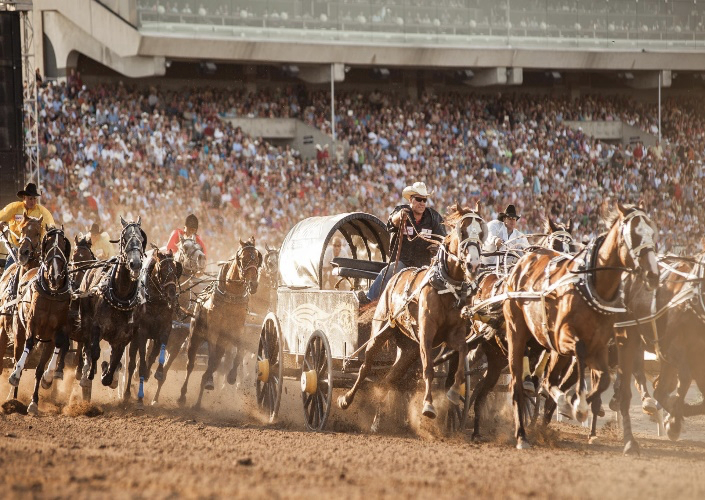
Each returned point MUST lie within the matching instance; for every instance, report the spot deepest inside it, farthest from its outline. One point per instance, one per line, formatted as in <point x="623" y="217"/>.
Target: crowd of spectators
<point x="108" y="150"/>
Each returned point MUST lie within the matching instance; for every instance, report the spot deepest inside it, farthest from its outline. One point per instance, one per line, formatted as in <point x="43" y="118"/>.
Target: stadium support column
<point x="332" y="100"/>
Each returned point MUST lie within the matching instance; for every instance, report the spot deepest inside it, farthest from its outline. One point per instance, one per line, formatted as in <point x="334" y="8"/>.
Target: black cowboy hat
<point x="511" y="211"/>
<point x="29" y="190"/>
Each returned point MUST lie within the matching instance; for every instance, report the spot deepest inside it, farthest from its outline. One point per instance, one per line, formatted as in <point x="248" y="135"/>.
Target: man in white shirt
<point x="503" y="235"/>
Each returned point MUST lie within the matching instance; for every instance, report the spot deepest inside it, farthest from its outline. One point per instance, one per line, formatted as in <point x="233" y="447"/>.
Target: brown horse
<point x="489" y="324"/>
<point x="219" y="317"/>
<point x="161" y="301"/>
<point x="192" y="260"/>
<point x="42" y="312"/>
<point x="82" y="258"/>
<point x="421" y="308"/>
<point x="568" y="306"/>
<point x="669" y="323"/>
<point x="110" y="296"/>
<point x="27" y="258"/>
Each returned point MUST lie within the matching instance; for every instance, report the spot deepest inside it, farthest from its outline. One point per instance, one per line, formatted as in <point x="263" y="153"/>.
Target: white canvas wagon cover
<point x="301" y="254"/>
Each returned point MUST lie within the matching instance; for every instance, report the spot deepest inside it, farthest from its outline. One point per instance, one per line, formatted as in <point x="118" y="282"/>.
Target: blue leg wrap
<point x="140" y="393"/>
<point x="162" y="354"/>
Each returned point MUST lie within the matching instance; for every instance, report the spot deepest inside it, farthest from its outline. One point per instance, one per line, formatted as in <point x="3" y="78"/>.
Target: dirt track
<point x="224" y="452"/>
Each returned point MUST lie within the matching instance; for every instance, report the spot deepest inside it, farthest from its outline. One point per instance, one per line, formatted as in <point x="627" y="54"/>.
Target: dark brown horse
<point x="424" y="304"/>
<point x="161" y="301"/>
<point x="670" y="323"/>
<point x="568" y="306"/>
<point x="489" y="324"/>
<point x="219" y="317"/>
<point x="27" y="258"/>
<point x="42" y="313"/>
<point x="82" y="259"/>
<point x="192" y="260"/>
<point x="109" y="305"/>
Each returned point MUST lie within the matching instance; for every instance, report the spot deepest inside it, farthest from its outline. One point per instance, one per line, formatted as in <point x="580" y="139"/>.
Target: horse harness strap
<point x="586" y="286"/>
<point x="441" y="281"/>
<point x="104" y="289"/>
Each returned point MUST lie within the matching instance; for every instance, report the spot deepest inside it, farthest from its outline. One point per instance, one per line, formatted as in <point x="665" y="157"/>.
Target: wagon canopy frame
<point x="303" y="249"/>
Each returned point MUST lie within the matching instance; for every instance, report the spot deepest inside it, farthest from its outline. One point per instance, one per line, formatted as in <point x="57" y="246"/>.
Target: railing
<point x="643" y="23"/>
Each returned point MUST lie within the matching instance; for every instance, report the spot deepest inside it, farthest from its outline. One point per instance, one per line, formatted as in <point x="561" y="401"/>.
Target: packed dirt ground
<point x="112" y="449"/>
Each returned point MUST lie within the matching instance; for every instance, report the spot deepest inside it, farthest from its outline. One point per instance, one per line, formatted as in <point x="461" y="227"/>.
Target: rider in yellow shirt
<point x="11" y="215"/>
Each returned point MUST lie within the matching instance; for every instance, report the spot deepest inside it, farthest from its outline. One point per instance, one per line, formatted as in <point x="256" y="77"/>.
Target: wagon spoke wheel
<point x="269" y="367"/>
<point x="457" y="415"/>
<point x="317" y="381"/>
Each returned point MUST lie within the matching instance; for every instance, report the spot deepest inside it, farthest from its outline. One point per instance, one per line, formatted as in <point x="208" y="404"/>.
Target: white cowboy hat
<point x="418" y="188"/>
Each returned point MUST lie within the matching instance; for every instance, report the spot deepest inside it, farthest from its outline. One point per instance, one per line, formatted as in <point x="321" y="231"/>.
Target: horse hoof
<point x="614" y="403"/>
<point x="649" y="406"/>
<point x="155" y="402"/>
<point x="523" y="444"/>
<point x="14" y="380"/>
<point x="59" y="374"/>
<point x="632" y="448"/>
<point x="592" y="440"/>
<point x="343" y="403"/>
<point x="159" y="374"/>
<point x="673" y="430"/>
<point x="46" y="384"/>
<point x="86" y="393"/>
<point x="453" y="396"/>
<point x="428" y="410"/>
<point x="104" y="366"/>
<point x="181" y="401"/>
<point x="114" y="383"/>
<point x="140" y="405"/>
<point x="84" y="382"/>
<point x="209" y="385"/>
<point x="33" y="409"/>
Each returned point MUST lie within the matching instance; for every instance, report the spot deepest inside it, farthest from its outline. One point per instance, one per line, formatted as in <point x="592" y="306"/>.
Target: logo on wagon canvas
<point x="309" y="318"/>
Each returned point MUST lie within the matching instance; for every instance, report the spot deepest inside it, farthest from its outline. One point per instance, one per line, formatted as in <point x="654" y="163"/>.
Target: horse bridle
<point x="57" y="254"/>
<point x="253" y="262"/>
<point x="474" y="239"/>
<point x="647" y="241"/>
<point x="32" y="247"/>
<point x="189" y="255"/>
<point x="171" y="278"/>
<point x="561" y="236"/>
<point x="128" y="246"/>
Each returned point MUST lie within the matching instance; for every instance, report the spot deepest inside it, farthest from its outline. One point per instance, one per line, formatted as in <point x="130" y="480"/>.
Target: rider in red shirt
<point x="189" y="230"/>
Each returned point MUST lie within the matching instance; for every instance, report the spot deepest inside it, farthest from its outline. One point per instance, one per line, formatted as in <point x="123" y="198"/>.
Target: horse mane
<point x="83" y="240"/>
<point x="456" y="212"/>
<point x="612" y="215"/>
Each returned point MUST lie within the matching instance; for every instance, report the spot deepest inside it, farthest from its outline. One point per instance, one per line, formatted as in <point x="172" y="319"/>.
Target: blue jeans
<point x="377" y="286"/>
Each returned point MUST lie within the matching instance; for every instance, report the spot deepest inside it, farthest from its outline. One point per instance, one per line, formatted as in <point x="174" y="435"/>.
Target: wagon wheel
<point x="317" y="381"/>
<point x="269" y="367"/>
<point x="457" y="415"/>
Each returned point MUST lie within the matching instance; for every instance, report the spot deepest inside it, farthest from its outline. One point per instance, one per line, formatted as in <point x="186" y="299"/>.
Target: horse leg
<point x="160" y="346"/>
<point x="60" y="342"/>
<point x="115" y="356"/>
<point x="33" y="408"/>
<point x="517" y="335"/>
<point x="675" y="420"/>
<point x="626" y="351"/>
<point x="457" y="338"/>
<point x="237" y="360"/>
<point x="648" y="404"/>
<point x="427" y="333"/>
<point x="580" y="405"/>
<point x="554" y="386"/>
<point x="373" y="346"/>
<point x="167" y="355"/>
<point x="215" y="353"/>
<point x="496" y="361"/>
<point x="194" y="342"/>
<point x="600" y="383"/>
<point x="19" y="366"/>
<point x="131" y="365"/>
<point x="408" y="353"/>
<point x="144" y="370"/>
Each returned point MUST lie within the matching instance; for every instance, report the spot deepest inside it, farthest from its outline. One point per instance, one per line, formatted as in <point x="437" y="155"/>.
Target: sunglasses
<point x="420" y="200"/>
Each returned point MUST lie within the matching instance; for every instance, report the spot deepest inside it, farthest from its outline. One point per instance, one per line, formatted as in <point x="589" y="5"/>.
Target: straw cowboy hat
<point x="29" y="190"/>
<point x="511" y="211"/>
<point x="417" y="188"/>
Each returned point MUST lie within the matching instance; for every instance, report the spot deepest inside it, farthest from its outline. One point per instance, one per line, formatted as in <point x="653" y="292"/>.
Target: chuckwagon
<point x="317" y="335"/>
